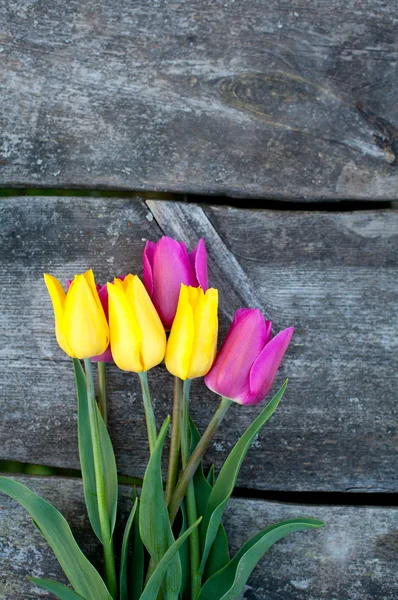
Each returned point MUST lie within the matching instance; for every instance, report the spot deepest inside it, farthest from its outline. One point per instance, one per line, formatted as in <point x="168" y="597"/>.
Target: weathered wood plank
<point x="353" y="557"/>
<point x="332" y="275"/>
<point x="247" y="100"/>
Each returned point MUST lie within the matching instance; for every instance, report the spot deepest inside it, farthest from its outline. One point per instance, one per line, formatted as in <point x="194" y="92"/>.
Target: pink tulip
<point x="103" y="296"/>
<point x="246" y="366"/>
<point x="167" y="265"/>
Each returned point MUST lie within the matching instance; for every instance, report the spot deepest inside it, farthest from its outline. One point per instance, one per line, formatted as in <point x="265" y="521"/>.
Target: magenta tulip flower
<point x="167" y="264"/>
<point x="246" y="366"/>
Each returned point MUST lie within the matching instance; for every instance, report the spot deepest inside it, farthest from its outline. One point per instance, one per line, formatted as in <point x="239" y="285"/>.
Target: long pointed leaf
<point x="84" y="578"/>
<point x="123" y="586"/>
<point x="184" y="554"/>
<point x="87" y="457"/>
<point x="153" y="586"/>
<point x="137" y="567"/>
<point x="211" y="476"/>
<point x="226" y="479"/>
<point x="219" y="552"/>
<point x="58" y="589"/>
<point x="155" y="528"/>
<point x="229" y="582"/>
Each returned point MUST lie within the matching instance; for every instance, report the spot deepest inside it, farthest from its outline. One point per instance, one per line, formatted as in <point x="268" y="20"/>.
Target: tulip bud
<point x="247" y="363"/>
<point x="80" y="324"/>
<point x="103" y="296"/>
<point x="192" y="343"/>
<point x="138" y="339"/>
<point x="167" y="264"/>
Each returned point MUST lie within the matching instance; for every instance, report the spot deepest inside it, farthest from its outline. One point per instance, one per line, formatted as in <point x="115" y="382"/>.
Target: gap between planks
<point x="364" y="498"/>
<point x="91" y="193"/>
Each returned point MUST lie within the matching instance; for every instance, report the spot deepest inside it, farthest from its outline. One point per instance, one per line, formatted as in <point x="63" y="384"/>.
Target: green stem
<point x="175" y="442"/>
<point x="194" y="554"/>
<point x="149" y="414"/>
<point x="196" y="457"/>
<point x="106" y="534"/>
<point x="152" y="436"/>
<point x="102" y="403"/>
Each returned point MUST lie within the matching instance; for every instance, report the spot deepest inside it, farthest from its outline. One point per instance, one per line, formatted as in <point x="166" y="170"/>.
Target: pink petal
<point x="147" y="260"/>
<point x="198" y="260"/>
<point x="104" y="357"/>
<point x="245" y="340"/>
<point x="103" y="296"/>
<point x="170" y="268"/>
<point x="264" y="369"/>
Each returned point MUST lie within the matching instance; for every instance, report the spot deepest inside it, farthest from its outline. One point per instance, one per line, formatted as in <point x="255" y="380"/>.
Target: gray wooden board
<point x="352" y="558"/>
<point x="246" y="99"/>
<point x="332" y="275"/>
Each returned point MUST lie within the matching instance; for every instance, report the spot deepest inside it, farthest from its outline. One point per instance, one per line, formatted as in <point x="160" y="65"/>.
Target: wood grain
<point x="332" y="275"/>
<point x="266" y="99"/>
<point x="353" y="557"/>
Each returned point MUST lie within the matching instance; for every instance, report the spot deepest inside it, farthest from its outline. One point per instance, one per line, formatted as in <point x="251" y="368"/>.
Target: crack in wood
<point x="388" y="140"/>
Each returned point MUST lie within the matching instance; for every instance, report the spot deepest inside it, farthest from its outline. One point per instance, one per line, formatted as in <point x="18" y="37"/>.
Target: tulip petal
<point x="245" y="340"/>
<point x="58" y="296"/>
<point x="179" y="345"/>
<point x="198" y="260"/>
<point x="103" y="296"/>
<point x="125" y="333"/>
<point x="153" y="344"/>
<point x="84" y="324"/>
<point x="170" y="268"/>
<point x="89" y="277"/>
<point x="147" y="261"/>
<point x="105" y="357"/>
<point x="264" y="369"/>
<point x="206" y="330"/>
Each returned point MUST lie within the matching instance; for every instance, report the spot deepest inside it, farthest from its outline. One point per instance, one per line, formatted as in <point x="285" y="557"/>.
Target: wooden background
<point x="293" y="102"/>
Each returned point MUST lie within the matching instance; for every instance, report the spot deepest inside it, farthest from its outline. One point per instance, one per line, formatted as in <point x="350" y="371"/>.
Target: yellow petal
<point x="84" y="324"/>
<point x="195" y="295"/>
<point x="126" y="336"/>
<point x="204" y="345"/>
<point x="179" y="345"/>
<point x="58" y="296"/>
<point x="153" y="343"/>
<point x="125" y="282"/>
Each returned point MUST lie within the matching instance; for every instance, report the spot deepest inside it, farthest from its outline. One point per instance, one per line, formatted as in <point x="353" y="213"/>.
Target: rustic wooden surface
<point x="267" y="99"/>
<point x="353" y="558"/>
<point x="332" y="275"/>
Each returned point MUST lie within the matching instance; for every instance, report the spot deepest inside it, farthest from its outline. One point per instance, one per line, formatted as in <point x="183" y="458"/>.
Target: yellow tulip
<point x="138" y="339"/>
<point x="192" y="344"/>
<point x="81" y="327"/>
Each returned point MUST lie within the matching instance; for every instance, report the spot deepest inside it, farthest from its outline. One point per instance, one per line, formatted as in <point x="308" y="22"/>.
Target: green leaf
<point x="58" y="589"/>
<point x="87" y="457"/>
<point x="218" y="555"/>
<point x="211" y="476"/>
<point x="124" y="553"/>
<point x="226" y="479"/>
<point x="201" y="485"/>
<point x="137" y="568"/>
<point x="184" y="553"/>
<point x="219" y="552"/>
<point x="155" y="528"/>
<point x="85" y="580"/>
<point x="229" y="582"/>
<point x="153" y="586"/>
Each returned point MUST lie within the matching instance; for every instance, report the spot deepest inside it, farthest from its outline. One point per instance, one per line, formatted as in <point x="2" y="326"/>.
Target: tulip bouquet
<point x="174" y="544"/>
